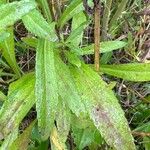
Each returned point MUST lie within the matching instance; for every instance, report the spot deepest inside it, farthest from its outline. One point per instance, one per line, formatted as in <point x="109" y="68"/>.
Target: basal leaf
<point x="103" y="108"/>
<point x="37" y="25"/>
<point x="78" y="25"/>
<point x="19" y="102"/>
<point x="67" y="88"/>
<point x="23" y="139"/>
<point x="75" y="34"/>
<point x="11" y="12"/>
<point x="8" y="51"/>
<point x="46" y="87"/>
<point x="63" y="119"/>
<point x="9" y="140"/>
<point x="55" y="141"/>
<point x="74" y="7"/>
<point x="105" y="47"/>
<point x="60" y="135"/>
<point x="131" y="71"/>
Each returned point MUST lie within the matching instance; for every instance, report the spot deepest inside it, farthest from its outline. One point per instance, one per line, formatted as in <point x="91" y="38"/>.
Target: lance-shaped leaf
<point x="37" y="25"/>
<point x="105" y="47"/>
<point x="103" y="108"/>
<point x="3" y="36"/>
<point x="75" y="35"/>
<point x="63" y="126"/>
<point x="131" y="71"/>
<point x="19" y="102"/>
<point x="77" y="22"/>
<point x="3" y="97"/>
<point x="30" y="41"/>
<point x="46" y="87"/>
<point x="67" y="88"/>
<point x="9" y="140"/>
<point x="8" y="51"/>
<point x="55" y="141"/>
<point x="84" y="132"/>
<point x="12" y="12"/>
<point x="74" y="8"/>
<point x="22" y="141"/>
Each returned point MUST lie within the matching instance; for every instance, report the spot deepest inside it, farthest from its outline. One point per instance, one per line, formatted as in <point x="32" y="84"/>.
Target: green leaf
<point x="2" y="2"/>
<point x="78" y="25"/>
<point x="46" y="87"/>
<point x="8" y="51"/>
<point x="84" y="132"/>
<point x="74" y="7"/>
<point x="132" y="71"/>
<point x="144" y="128"/>
<point x="19" y="102"/>
<point x="105" y="47"/>
<point x="146" y="143"/>
<point x="30" y="41"/>
<point x="9" y="140"/>
<point x="12" y="12"/>
<point x="3" y="97"/>
<point x="73" y="58"/>
<point x="3" y="36"/>
<point x="67" y="89"/>
<point x="23" y="139"/>
<point x="103" y="108"/>
<point x="37" y="25"/>
<point x="75" y="35"/>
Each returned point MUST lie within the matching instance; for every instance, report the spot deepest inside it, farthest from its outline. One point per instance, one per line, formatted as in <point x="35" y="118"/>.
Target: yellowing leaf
<point x="23" y="139"/>
<point x="56" y="144"/>
<point x="46" y="87"/>
<point x="103" y="108"/>
<point x="9" y="140"/>
<point x="63" y="119"/>
<point x="130" y="71"/>
<point x="19" y="102"/>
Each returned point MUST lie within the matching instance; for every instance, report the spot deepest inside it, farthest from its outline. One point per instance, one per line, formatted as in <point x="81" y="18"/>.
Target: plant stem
<point x="97" y="33"/>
